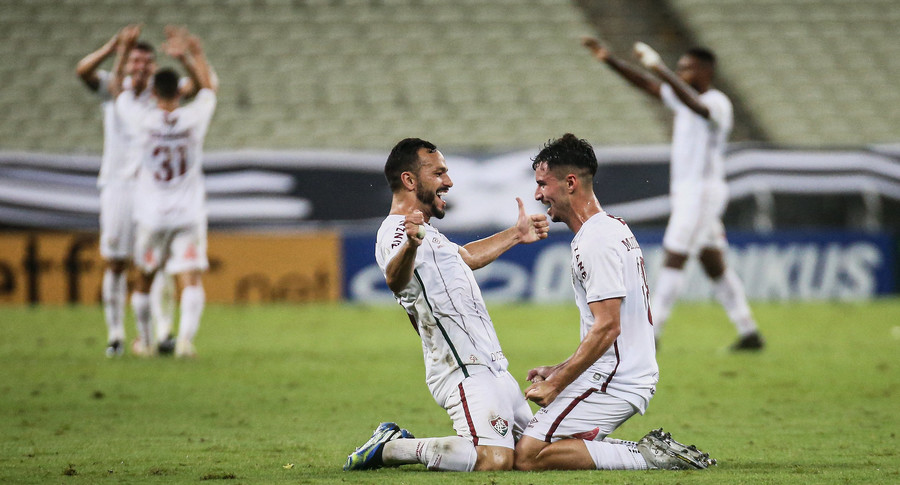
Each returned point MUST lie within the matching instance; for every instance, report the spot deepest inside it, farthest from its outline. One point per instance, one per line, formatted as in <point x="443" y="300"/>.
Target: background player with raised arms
<point x="698" y="192"/>
<point x="116" y="182"/>
<point x="170" y="200"/>
<point x="465" y="368"/>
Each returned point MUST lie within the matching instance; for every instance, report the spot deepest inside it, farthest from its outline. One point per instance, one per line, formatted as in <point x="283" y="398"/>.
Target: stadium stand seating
<point x="468" y="74"/>
<point x="471" y="75"/>
<point x="814" y="72"/>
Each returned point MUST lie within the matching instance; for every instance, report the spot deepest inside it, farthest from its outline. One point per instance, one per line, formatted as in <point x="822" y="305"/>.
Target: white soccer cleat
<point x="185" y="349"/>
<point x="142" y="349"/>
<point x="660" y="451"/>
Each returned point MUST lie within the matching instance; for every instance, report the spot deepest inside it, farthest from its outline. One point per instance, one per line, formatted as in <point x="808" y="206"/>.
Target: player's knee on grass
<point x="493" y="458"/>
<point x="527" y="450"/>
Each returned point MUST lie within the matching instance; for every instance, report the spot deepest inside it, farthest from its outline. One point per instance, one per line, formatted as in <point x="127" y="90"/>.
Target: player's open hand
<point x="415" y="227"/>
<point x="128" y="36"/>
<point x="176" y="44"/>
<point x="647" y="55"/>
<point x="532" y="227"/>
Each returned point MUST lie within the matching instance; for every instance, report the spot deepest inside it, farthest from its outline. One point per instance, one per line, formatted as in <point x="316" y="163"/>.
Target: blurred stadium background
<point x="315" y="92"/>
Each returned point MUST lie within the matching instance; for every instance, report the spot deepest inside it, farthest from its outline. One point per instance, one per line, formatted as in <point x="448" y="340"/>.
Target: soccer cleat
<point x="142" y="349"/>
<point x="660" y="451"/>
<point x="751" y="341"/>
<point x="368" y="456"/>
<point x="115" y="349"/>
<point x="166" y="346"/>
<point x="185" y="349"/>
<point x="405" y="434"/>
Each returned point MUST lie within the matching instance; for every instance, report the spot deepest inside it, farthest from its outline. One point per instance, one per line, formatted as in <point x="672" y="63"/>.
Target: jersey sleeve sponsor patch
<point x="601" y="270"/>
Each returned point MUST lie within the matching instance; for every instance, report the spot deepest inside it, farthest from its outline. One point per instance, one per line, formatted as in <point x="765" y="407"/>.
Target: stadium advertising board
<point x="777" y="266"/>
<point x="58" y="268"/>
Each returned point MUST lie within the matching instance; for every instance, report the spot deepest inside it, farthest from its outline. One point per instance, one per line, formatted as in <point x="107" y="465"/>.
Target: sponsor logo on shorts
<point x="500" y="425"/>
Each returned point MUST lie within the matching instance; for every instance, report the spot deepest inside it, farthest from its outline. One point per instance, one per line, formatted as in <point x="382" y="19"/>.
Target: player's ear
<point x="572" y="183"/>
<point x="409" y="180"/>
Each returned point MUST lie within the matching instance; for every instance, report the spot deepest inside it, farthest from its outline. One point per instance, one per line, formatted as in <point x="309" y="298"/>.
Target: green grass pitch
<point x="303" y="385"/>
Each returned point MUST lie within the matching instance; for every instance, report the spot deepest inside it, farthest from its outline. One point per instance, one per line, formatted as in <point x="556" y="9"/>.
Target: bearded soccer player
<point x="465" y="368"/>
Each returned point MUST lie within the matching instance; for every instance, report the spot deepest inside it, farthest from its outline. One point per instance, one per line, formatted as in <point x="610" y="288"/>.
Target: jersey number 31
<point x="171" y="162"/>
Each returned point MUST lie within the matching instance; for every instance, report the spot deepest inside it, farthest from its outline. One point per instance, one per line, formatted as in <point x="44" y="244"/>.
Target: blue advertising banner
<point x="774" y="267"/>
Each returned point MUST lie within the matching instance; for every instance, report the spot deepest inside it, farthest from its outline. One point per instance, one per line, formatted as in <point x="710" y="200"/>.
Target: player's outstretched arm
<point x="86" y="69"/>
<point x="205" y="75"/>
<point x="127" y="38"/>
<point x="688" y="95"/>
<point x="399" y="270"/>
<point x="528" y="229"/>
<point x="636" y="77"/>
<point x="188" y="50"/>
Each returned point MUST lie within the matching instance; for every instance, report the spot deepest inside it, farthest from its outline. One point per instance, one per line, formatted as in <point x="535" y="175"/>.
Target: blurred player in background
<point x="613" y="372"/>
<point x="116" y="184"/>
<point x="170" y="198"/>
<point x="698" y="191"/>
<point x="465" y="368"/>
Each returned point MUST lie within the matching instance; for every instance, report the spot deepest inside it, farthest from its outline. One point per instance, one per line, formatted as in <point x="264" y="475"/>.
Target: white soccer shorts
<point x="489" y="410"/>
<point x="580" y="412"/>
<point x="180" y="250"/>
<point x="696" y="219"/>
<point x="117" y="228"/>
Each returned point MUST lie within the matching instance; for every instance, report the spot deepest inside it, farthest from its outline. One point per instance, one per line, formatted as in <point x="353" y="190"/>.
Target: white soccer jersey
<point x="446" y="308"/>
<point x="698" y="144"/>
<point x="607" y="263"/>
<point x="170" y="189"/>
<point x="116" y="165"/>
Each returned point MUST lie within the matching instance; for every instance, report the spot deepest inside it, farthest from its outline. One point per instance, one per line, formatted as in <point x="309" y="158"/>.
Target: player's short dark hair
<point x="703" y="55"/>
<point x="146" y="47"/>
<point x="404" y="157"/>
<point x="165" y="83"/>
<point x="568" y="151"/>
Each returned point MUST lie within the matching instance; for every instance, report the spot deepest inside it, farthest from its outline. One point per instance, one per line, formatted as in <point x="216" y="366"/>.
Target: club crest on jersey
<point x="500" y="425"/>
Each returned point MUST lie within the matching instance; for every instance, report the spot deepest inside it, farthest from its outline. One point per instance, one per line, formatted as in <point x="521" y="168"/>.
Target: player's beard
<point x="428" y="199"/>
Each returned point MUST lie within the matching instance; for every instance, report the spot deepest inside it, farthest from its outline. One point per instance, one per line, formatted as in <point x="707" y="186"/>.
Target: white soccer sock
<point x="614" y="456"/>
<point x="114" y="295"/>
<point x="162" y="304"/>
<point x="620" y="442"/>
<point x="730" y="292"/>
<point x="193" y="299"/>
<point x="140" y="303"/>
<point x="664" y="295"/>
<point x="452" y="453"/>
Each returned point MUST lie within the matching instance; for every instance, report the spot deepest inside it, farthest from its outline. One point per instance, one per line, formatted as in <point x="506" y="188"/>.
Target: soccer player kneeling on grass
<point x="465" y="368"/>
<point x="613" y="372"/>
